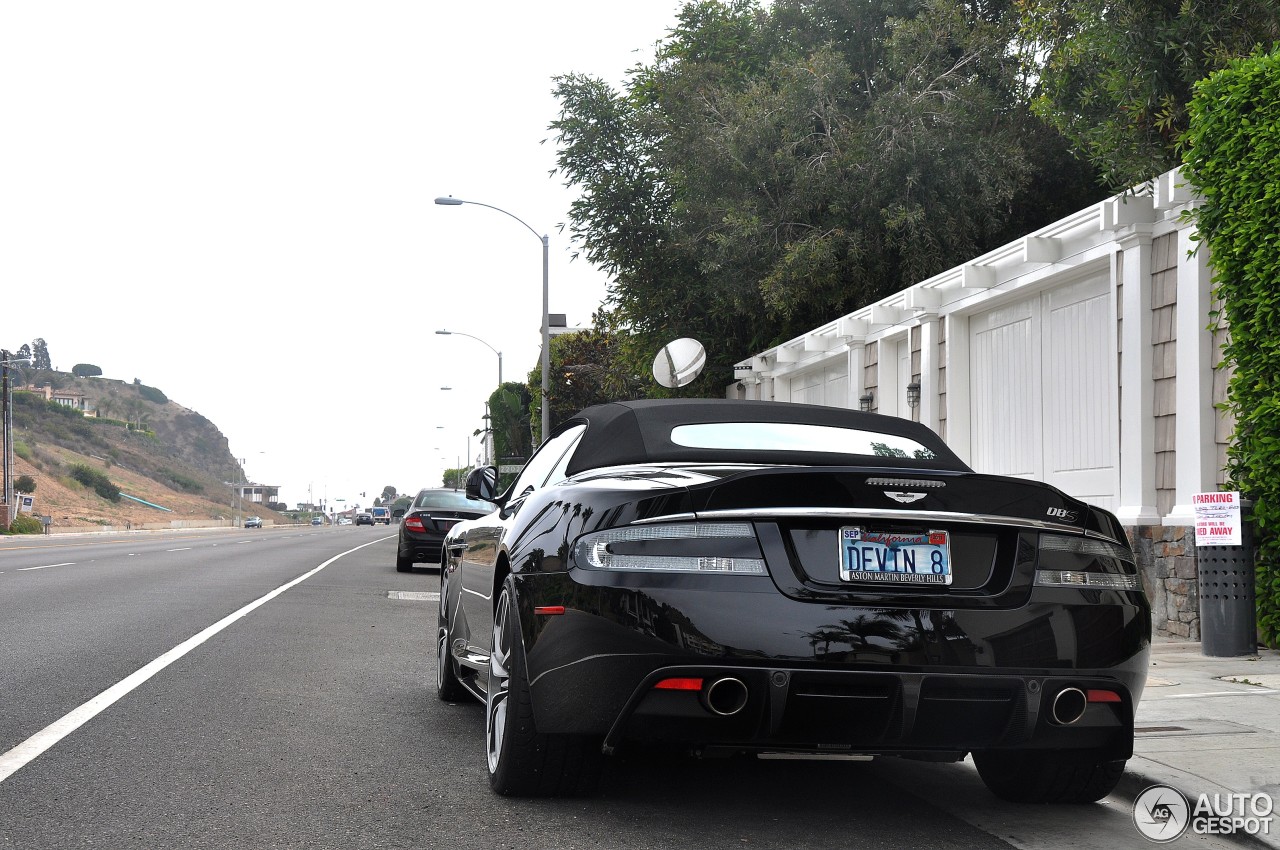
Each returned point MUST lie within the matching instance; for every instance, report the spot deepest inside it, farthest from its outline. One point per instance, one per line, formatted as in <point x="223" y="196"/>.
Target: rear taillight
<point x="725" y="548"/>
<point x="1085" y="562"/>
<point x="414" y="523"/>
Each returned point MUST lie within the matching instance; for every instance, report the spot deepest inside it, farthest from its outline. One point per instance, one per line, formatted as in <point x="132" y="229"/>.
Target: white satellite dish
<point x="679" y="362"/>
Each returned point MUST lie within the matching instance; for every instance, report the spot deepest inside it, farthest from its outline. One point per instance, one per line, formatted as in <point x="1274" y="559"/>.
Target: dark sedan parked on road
<point x="759" y="577"/>
<point x="427" y="520"/>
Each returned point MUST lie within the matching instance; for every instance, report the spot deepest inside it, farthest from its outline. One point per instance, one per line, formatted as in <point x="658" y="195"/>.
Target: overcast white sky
<point x="232" y="202"/>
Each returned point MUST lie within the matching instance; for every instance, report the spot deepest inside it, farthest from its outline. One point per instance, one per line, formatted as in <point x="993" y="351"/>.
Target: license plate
<point x="895" y="558"/>
<point x="446" y="524"/>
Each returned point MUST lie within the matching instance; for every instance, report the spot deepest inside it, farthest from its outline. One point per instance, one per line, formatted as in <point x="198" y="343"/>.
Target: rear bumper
<point x="420" y="550"/>
<point x="829" y="678"/>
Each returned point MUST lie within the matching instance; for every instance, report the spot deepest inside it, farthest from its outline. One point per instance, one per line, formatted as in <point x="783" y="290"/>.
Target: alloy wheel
<point x="496" y="703"/>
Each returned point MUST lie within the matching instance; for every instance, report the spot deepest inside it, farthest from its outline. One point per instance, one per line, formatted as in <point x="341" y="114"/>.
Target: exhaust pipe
<point x="1068" y="706"/>
<point x="725" y="697"/>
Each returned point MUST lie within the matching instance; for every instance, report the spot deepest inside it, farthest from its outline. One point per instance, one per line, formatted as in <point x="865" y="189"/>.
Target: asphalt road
<point x="310" y="721"/>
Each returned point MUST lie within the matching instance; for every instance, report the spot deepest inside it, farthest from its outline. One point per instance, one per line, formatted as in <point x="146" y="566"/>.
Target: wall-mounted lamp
<point x="913" y="394"/>
<point x="865" y="401"/>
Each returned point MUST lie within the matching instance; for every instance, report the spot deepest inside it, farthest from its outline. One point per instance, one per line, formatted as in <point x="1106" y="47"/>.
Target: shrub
<point x="24" y="484"/>
<point x="152" y="394"/>
<point x="22" y="450"/>
<point x="1233" y="151"/>
<point x="182" y="482"/>
<point x="26" y="524"/>
<point x="91" y="477"/>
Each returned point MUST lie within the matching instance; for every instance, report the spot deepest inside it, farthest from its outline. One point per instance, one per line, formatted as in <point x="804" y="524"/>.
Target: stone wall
<point x="1167" y="562"/>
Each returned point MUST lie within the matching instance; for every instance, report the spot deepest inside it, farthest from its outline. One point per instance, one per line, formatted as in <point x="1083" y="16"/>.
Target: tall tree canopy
<point x="775" y="167"/>
<point x="1116" y="75"/>
<point x="587" y="367"/>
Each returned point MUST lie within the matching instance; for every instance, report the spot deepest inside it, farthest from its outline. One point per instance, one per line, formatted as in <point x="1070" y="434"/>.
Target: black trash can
<point x="1228" y="603"/>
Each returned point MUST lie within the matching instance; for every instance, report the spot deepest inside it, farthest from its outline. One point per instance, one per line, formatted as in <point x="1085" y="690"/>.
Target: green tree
<point x="509" y="416"/>
<point x="85" y="370"/>
<point x="24" y="484"/>
<point x="40" y="354"/>
<point x="1115" y="76"/>
<point x="774" y="168"/>
<point x="388" y="493"/>
<point x="586" y="369"/>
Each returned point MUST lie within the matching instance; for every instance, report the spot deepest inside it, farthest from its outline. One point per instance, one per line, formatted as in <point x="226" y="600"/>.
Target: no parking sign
<point x="1217" y="518"/>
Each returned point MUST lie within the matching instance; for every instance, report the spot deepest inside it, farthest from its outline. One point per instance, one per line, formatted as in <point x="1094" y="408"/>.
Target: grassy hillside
<point x="145" y="445"/>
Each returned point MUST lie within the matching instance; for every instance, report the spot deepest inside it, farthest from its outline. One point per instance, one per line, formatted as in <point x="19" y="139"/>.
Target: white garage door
<point x="1041" y="391"/>
<point x="828" y="386"/>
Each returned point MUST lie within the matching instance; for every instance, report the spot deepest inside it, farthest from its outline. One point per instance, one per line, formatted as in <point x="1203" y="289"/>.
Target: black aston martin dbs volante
<point x="733" y="577"/>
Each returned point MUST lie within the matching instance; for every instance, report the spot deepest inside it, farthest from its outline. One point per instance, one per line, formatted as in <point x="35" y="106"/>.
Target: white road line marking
<point x="18" y="757"/>
<point x="47" y="566"/>
<point x="183" y="549"/>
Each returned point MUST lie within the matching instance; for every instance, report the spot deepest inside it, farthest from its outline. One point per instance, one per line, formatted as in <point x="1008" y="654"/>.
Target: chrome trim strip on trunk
<point x="880" y="513"/>
<point x="687" y="517"/>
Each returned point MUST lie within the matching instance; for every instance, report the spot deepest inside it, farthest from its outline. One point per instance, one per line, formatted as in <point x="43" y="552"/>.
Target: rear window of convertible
<point x="797" y="437"/>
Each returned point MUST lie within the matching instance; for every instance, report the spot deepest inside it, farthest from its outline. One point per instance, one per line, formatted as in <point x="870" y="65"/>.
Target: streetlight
<point x="6" y="393"/>
<point x="546" y="306"/>
<point x="488" y="421"/>
<point x="486" y="448"/>
<point x="443" y="332"/>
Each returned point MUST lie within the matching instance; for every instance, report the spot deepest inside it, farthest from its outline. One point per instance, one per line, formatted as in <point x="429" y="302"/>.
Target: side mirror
<point x="482" y="484"/>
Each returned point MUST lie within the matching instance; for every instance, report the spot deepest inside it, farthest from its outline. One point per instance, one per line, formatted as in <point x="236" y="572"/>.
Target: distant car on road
<point x="253" y="522"/>
<point x="381" y="515"/>
<point x="315" y="520"/>
<point x="427" y="520"/>
<point x="364" y="519"/>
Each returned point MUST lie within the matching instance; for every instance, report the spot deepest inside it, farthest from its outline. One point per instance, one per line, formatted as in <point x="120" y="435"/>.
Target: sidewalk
<point x="1209" y="725"/>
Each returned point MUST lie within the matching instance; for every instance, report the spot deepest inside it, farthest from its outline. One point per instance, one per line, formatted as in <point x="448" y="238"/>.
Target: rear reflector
<point x="548" y="610"/>
<point x="1102" y="696"/>
<point x="679" y="685"/>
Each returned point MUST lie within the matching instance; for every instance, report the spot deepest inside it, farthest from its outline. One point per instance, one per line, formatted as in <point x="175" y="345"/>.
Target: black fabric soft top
<point x="629" y="432"/>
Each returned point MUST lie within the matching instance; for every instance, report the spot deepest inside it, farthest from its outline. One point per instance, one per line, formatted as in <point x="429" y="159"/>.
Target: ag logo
<point x="1062" y="514"/>
<point x="904" y="497"/>
<point x="1161" y="814"/>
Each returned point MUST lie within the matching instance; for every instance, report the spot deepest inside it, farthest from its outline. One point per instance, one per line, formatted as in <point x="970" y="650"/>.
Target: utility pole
<point x="6" y="394"/>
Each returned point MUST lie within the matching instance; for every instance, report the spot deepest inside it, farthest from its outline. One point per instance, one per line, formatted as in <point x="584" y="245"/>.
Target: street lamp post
<point x="443" y="332"/>
<point x="546" y="306"/>
<point x="240" y="492"/>
<point x="488" y="421"/>
<point x="6" y="398"/>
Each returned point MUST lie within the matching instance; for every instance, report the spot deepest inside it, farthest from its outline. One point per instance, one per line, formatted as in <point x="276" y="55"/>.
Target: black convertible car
<point x="726" y="577"/>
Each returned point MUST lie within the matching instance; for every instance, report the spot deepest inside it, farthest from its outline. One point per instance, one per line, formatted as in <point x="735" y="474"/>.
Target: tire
<point x="403" y="564"/>
<point x="1048" y="776"/>
<point x="448" y="687"/>
<point x="522" y="761"/>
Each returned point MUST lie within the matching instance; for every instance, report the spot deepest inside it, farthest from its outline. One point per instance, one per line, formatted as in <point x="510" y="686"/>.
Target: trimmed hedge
<point x="1232" y="157"/>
